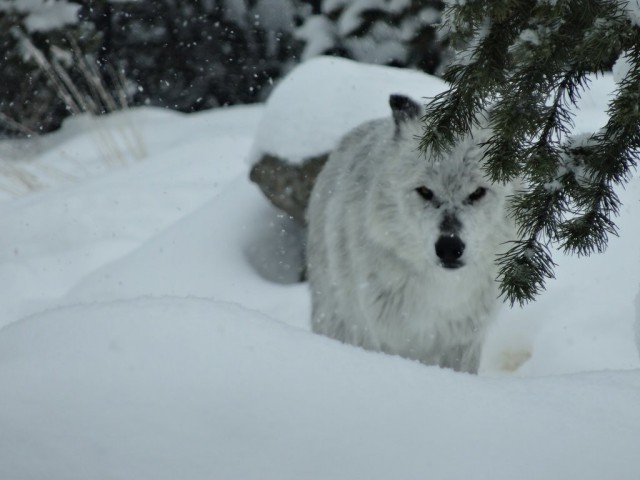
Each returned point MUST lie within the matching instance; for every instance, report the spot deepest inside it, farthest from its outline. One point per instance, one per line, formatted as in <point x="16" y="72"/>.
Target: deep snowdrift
<point x="198" y="389"/>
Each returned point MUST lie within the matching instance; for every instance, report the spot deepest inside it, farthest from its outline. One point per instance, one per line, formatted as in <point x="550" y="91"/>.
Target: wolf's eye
<point x="425" y="193"/>
<point x="477" y="195"/>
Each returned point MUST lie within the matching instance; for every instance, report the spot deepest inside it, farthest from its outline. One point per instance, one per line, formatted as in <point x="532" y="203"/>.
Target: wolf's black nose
<point x="449" y="249"/>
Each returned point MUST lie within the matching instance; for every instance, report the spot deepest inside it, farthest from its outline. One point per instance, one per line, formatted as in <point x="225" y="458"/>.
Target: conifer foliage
<point x="523" y="68"/>
<point x="188" y="55"/>
<point x="401" y="33"/>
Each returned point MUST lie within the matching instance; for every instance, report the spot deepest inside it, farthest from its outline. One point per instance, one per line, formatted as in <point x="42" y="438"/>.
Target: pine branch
<point x="475" y="81"/>
<point x="609" y="159"/>
<point x="523" y="271"/>
<point x="531" y="66"/>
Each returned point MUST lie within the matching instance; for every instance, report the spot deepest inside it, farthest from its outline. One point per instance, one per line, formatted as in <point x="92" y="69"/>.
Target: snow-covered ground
<point x="140" y="338"/>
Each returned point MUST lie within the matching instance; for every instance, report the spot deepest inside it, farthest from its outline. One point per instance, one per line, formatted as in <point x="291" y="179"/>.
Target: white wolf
<point x="402" y="248"/>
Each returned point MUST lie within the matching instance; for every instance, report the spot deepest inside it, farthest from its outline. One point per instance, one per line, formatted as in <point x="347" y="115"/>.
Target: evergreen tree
<point x="388" y="32"/>
<point x="187" y="55"/>
<point x="28" y="103"/>
<point x="524" y="66"/>
<point x="192" y="55"/>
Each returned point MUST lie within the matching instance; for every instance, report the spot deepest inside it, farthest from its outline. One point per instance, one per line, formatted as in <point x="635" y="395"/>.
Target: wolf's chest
<point x="435" y="307"/>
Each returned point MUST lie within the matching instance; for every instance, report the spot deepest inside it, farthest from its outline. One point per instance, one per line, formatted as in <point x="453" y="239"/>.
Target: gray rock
<point x="287" y="185"/>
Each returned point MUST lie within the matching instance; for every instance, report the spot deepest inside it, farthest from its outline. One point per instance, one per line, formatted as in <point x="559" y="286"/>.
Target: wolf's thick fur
<point x="402" y="249"/>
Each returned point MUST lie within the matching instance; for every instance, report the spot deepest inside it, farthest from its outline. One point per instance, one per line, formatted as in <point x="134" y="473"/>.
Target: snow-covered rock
<point x="323" y="98"/>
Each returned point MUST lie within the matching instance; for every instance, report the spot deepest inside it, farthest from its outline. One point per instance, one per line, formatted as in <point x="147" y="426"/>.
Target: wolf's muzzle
<point x="449" y="249"/>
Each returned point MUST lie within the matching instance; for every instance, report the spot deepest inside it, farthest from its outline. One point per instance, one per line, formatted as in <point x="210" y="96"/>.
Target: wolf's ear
<point x="403" y="109"/>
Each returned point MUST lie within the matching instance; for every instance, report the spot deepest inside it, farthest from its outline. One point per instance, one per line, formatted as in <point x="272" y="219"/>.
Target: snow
<point x="298" y="125"/>
<point x="632" y="10"/>
<point x="621" y="67"/>
<point x="44" y="15"/>
<point x="187" y="388"/>
<point x="351" y="18"/>
<point x="637" y="322"/>
<point x="398" y="6"/>
<point x="318" y="35"/>
<point x="330" y="6"/>
<point x="140" y="338"/>
<point x="382" y="45"/>
<point x="530" y="36"/>
<point x="58" y="239"/>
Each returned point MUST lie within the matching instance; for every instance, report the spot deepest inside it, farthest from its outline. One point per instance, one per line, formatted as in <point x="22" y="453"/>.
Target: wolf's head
<point x="443" y="211"/>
